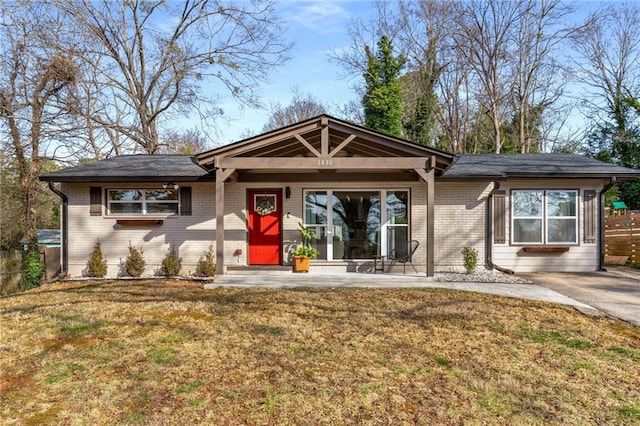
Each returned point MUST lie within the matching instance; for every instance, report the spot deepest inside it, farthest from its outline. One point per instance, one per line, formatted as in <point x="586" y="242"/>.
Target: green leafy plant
<point x="135" y="262"/>
<point x="305" y="249"/>
<point x="207" y="264"/>
<point x="470" y="259"/>
<point x="32" y="268"/>
<point x="97" y="263"/>
<point x="171" y="264"/>
<point x="634" y="265"/>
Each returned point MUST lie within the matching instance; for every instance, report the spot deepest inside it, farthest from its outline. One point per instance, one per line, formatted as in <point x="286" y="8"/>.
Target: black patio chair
<point x="403" y="255"/>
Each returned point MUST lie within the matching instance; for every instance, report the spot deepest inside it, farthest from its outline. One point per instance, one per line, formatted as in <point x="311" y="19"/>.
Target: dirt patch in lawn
<point x="169" y="352"/>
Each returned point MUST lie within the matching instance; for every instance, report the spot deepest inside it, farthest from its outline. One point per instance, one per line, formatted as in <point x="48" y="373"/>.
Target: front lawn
<point x="165" y="352"/>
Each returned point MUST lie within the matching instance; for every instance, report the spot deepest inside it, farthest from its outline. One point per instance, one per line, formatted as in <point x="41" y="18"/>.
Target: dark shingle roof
<point x="182" y="168"/>
<point x="139" y="168"/>
<point x="498" y="166"/>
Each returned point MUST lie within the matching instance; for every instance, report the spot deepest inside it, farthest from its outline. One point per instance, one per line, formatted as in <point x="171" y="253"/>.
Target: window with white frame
<point x="544" y="217"/>
<point x="352" y="224"/>
<point x="142" y="201"/>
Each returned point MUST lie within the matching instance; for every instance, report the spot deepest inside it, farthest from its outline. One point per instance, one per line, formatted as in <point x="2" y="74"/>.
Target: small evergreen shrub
<point x="470" y="259"/>
<point x="97" y="264"/>
<point x="135" y="263"/>
<point x="32" y="269"/>
<point x="171" y="264"/>
<point x="207" y="263"/>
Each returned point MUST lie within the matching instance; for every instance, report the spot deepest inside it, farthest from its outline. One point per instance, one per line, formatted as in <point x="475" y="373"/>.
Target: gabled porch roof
<point x="321" y="144"/>
<point x="329" y="149"/>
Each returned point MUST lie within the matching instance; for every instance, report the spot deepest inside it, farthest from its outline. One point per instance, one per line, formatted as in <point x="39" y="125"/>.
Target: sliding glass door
<point x="361" y="224"/>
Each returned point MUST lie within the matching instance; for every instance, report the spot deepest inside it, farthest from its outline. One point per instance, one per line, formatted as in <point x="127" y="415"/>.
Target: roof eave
<point x="505" y="176"/>
<point x="128" y="179"/>
<point x="569" y="175"/>
<point x="471" y="178"/>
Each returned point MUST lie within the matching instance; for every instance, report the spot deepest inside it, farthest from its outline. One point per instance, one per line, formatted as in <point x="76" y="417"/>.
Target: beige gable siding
<point x="583" y="257"/>
<point x="460" y="221"/>
<point x="190" y="235"/>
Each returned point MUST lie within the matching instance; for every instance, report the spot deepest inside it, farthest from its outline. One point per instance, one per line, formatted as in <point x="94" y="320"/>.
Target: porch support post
<point x="221" y="176"/>
<point x="430" y="219"/>
<point x="428" y="175"/>
<point x="219" y="222"/>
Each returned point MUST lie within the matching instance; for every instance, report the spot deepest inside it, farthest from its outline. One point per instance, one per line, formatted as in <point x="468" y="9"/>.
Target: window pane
<point x="397" y="202"/>
<point x="122" y="208"/>
<point x="561" y="231"/>
<point x="397" y="239"/>
<point x="527" y="230"/>
<point x="161" y="195"/>
<point x="527" y="204"/>
<point x="356" y="216"/>
<point x="561" y="203"/>
<point x="315" y="208"/>
<point x="164" y="208"/>
<point x="319" y="241"/>
<point x="125" y="195"/>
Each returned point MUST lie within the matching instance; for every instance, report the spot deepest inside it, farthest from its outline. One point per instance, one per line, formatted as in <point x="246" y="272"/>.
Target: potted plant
<point x="303" y="254"/>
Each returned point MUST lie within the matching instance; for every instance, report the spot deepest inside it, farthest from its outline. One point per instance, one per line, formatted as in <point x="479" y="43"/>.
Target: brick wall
<point x="460" y="216"/>
<point x="459" y="222"/>
<point x="190" y="235"/>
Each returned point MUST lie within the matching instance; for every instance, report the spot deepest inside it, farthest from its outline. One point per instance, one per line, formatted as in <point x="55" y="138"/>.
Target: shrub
<point x="135" y="263"/>
<point x="32" y="269"/>
<point x="207" y="264"/>
<point x="97" y="264"/>
<point x="171" y="264"/>
<point x="470" y="259"/>
<point x="634" y="265"/>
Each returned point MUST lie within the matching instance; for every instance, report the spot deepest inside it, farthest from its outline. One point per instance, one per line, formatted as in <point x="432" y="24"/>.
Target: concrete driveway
<point x="615" y="292"/>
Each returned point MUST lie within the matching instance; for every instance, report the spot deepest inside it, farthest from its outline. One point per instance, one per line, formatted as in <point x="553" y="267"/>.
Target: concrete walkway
<point x="616" y="292"/>
<point x="319" y="279"/>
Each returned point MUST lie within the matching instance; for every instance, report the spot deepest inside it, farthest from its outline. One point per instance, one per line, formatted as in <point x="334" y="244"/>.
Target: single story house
<point x="363" y="192"/>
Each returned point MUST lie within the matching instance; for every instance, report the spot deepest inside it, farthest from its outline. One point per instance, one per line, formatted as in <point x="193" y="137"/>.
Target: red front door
<point x="265" y="240"/>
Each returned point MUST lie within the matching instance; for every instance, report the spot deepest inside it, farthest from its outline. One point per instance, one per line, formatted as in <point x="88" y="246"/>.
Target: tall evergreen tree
<point x="420" y="104"/>
<point x="382" y="101"/>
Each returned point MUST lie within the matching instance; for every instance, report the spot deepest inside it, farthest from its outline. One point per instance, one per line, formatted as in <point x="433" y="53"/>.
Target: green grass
<point x="169" y="352"/>
<point x="163" y="355"/>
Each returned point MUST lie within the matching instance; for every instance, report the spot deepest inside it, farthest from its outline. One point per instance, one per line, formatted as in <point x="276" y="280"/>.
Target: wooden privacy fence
<point x="11" y="267"/>
<point x="10" y="271"/>
<point x="622" y="236"/>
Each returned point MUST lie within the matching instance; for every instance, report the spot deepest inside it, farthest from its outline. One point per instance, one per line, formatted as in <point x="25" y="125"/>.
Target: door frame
<point x="280" y="200"/>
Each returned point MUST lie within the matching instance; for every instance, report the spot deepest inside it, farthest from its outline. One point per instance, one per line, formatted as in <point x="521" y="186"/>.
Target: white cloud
<point x="322" y="17"/>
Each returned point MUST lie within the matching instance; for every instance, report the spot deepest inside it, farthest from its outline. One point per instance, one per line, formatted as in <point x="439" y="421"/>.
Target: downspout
<point x="488" y="246"/>
<point x="601" y="239"/>
<point x="65" y="229"/>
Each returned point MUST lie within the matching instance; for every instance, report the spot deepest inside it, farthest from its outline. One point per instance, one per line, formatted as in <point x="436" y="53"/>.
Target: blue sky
<point x="317" y="27"/>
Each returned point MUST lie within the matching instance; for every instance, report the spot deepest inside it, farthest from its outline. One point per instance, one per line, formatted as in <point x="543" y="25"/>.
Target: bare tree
<point x="608" y="45"/>
<point x="483" y="36"/>
<point x="36" y="91"/>
<point x="187" y="142"/>
<point x="300" y="108"/>
<point x="156" y="54"/>
<point x="457" y="107"/>
<point x="538" y="77"/>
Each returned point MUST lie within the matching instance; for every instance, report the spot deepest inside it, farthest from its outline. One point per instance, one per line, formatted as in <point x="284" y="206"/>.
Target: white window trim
<point x="383" y="216"/>
<point x="545" y="218"/>
<point x="143" y="202"/>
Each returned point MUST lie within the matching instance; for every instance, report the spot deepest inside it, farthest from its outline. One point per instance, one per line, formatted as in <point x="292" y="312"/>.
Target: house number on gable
<point x="325" y="162"/>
